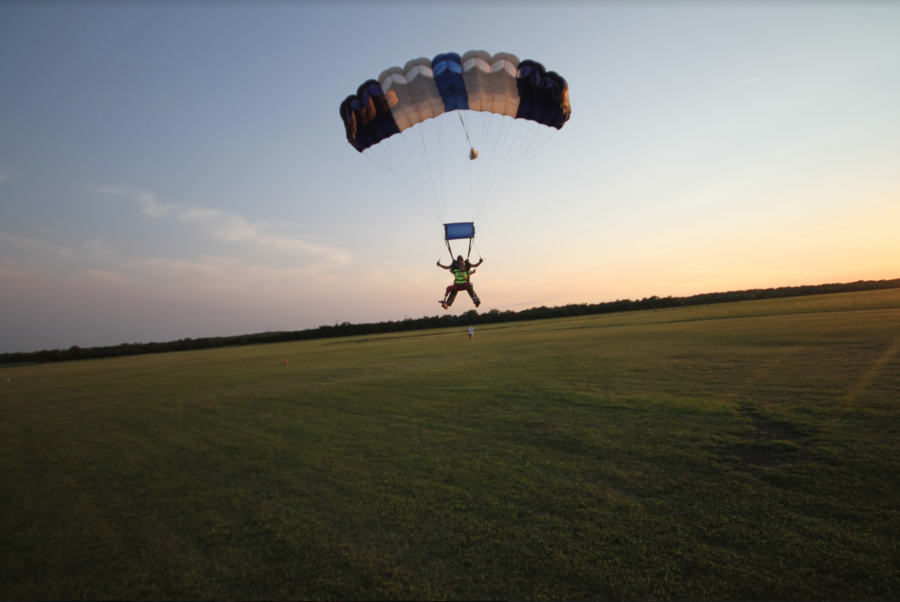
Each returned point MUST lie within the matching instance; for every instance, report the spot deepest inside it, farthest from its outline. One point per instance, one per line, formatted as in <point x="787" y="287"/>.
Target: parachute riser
<point x="468" y="254"/>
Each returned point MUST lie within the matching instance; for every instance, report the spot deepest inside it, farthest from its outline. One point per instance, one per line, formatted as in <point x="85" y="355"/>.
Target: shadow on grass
<point x="768" y="444"/>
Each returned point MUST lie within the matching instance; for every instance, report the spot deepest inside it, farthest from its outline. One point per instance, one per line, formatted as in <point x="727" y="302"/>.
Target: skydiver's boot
<point x="475" y="298"/>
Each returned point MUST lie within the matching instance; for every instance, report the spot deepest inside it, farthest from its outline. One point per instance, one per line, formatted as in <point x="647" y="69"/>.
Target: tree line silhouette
<point x="445" y="321"/>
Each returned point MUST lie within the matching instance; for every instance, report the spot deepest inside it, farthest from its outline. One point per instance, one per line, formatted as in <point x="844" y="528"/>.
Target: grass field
<point x="737" y="451"/>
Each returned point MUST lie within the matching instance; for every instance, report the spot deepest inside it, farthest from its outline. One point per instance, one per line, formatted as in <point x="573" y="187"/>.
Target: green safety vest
<point x="460" y="276"/>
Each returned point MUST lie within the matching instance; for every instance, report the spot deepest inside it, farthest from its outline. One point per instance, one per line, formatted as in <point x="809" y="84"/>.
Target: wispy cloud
<point x="223" y="225"/>
<point x="34" y="247"/>
<point x="232" y="228"/>
<point x="153" y="208"/>
<point x="107" y="276"/>
<point x="103" y="189"/>
<point x="96" y="248"/>
<point x="4" y="177"/>
<point x="745" y="83"/>
<point x="147" y="201"/>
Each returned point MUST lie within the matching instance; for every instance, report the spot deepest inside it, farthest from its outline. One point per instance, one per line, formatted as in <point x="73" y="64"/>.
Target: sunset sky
<point x="181" y="170"/>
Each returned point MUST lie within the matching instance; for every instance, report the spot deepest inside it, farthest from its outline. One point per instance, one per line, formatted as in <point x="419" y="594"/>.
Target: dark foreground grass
<point x="742" y="451"/>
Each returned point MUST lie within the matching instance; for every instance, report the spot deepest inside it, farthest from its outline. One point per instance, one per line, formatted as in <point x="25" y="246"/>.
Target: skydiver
<point x="462" y="270"/>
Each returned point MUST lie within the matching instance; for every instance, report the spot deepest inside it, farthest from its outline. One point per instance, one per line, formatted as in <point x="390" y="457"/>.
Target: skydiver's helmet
<point x="458" y="264"/>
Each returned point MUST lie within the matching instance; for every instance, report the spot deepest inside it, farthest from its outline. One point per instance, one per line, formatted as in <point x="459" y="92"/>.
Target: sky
<point x="174" y="170"/>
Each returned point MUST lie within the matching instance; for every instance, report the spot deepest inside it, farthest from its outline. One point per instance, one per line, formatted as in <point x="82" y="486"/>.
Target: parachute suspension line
<point x="477" y="250"/>
<point x="422" y="195"/>
<point x="469" y="254"/>
<point x="416" y="174"/>
<point x="429" y="170"/>
<point x="414" y="170"/>
<point x="411" y="168"/>
<point x="476" y="169"/>
<point x="512" y="175"/>
<point x="540" y="146"/>
<point x="469" y="166"/>
<point x="486" y="121"/>
<point x="509" y="142"/>
<point x="403" y="186"/>
<point x="480" y="167"/>
<point x="421" y="167"/>
<point x="506" y="157"/>
<point x="491" y="167"/>
<point x="499" y="165"/>
<point x="471" y="199"/>
<point x="440" y="138"/>
<point x="519" y="162"/>
<point x="492" y="122"/>
<point x="483" y="168"/>
<point x="510" y="164"/>
<point x="442" y="255"/>
<point x="410" y="180"/>
<point x="428" y="141"/>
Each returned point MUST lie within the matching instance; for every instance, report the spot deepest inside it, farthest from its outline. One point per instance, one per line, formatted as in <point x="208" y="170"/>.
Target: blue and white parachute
<point x="425" y="123"/>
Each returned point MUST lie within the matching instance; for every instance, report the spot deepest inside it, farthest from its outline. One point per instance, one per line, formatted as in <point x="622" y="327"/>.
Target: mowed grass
<point x="736" y="451"/>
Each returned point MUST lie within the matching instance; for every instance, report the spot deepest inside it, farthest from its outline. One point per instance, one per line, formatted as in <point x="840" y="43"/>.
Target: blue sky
<point x="172" y="170"/>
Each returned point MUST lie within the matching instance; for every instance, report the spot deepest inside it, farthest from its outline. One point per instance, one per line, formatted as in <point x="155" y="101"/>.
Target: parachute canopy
<point x="476" y="81"/>
<point x="456" y="128"/>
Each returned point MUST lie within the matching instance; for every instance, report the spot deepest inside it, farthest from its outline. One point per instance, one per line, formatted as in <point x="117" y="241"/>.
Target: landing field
<point x="737" y="451"/>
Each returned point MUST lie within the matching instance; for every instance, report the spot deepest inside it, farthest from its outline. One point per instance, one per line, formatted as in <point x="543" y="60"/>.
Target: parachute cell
<point x="448" y="77"/>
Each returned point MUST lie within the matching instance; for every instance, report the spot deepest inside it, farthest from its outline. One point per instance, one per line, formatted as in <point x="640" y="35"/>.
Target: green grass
<point x="736" y="451"/>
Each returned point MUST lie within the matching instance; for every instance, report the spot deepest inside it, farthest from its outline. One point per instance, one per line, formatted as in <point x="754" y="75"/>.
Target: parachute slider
<point x="459" y="230"/>
<point x="473" y="154"/>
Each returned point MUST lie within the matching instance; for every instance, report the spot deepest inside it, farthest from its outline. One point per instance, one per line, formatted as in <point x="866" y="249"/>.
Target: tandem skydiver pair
<point x="462" y="271"/>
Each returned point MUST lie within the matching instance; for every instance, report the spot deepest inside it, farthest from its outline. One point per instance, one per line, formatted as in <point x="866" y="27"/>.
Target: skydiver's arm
<point x="441" y="265"/>
<point x="480" y="261"/>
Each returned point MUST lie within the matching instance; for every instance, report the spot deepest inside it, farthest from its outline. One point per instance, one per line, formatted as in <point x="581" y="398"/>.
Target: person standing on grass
<point x="471" y="333"/>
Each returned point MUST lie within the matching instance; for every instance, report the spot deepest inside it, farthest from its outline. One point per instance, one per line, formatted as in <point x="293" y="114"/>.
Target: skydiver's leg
<point x="475" y="299"/>
<point x="452" y="298"/>
<point x="451" y="290"/>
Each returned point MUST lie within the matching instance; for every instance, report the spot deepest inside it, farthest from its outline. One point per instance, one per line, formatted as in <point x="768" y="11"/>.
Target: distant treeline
<point x="445" y="321"/>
